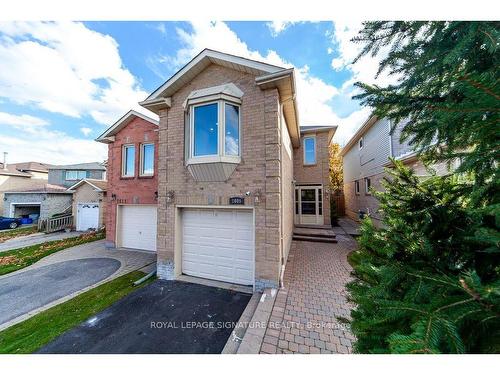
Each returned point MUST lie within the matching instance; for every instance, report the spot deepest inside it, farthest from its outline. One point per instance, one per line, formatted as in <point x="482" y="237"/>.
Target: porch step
<point x="312" y="234"/>
<point x="313" y="239"/>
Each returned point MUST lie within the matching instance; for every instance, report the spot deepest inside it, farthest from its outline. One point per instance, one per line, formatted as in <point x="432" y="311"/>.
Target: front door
<point x="309" y="205"/>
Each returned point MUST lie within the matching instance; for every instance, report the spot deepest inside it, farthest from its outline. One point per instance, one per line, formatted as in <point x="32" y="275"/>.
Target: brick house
<point x="235" y="171"/>
<point x="364" y="158"/>
<point x="132" y="187"/>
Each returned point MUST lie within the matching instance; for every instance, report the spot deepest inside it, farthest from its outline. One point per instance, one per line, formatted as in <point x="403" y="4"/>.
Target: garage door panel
<point x="218" y="244"/>
<point x="138" y="227"/>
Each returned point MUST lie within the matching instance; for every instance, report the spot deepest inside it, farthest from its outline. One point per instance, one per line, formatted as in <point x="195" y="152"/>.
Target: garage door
<point x="218" y="244"/>
<point x="137" y="227"/>
<point x="87" y="216"/>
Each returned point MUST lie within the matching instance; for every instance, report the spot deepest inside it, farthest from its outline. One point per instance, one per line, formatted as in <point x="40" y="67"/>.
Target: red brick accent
<point x="134" y="190"/>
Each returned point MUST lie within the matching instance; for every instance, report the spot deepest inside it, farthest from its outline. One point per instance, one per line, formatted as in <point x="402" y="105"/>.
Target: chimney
<point x="5" y="160"/>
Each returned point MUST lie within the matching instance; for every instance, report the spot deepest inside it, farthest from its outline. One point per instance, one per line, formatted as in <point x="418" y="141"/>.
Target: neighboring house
<point x="364" y="158"/>
<point x="89" y="204"/>
<point x="230" y="159"/>
<point x="131" y="219"/>
<point x="42" y="202"/>
<point x="21" y="176"/>
<point x="68" y="175"/>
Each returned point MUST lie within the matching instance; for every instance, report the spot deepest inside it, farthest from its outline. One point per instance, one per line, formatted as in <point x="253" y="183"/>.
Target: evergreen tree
<point x="428" y="280"/>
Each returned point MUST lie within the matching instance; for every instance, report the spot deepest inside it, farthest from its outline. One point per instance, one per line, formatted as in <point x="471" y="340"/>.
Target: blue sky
<point x="62" y="84"/>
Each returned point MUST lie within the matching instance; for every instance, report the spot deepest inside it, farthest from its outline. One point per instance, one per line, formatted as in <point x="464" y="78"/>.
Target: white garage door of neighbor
<point x="138" y="227"/>
<point x="218" y="244"/>
<point x="87" y="216"/>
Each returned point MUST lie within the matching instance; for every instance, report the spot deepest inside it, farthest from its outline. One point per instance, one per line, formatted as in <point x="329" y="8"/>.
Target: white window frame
<point x="74" y="179"/>
<point x="361" y="143"/>
<point x="313" y="137"/>
<point x="367" y="189"/>
<point x="356" y="187"/>
<point x="221" y="129"/>
<point x="141" y="159"/>
<point x="124" y="157"/>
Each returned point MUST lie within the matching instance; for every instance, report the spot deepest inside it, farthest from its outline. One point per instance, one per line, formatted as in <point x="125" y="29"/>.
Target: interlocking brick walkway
<point x="303" y="317"/>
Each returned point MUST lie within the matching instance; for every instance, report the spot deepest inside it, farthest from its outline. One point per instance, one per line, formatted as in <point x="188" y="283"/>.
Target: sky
<point x="62" y="84"/>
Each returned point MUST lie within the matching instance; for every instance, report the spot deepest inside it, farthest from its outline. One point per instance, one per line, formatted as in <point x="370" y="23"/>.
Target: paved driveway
<point x="35" y="239"/>
<point x="30" y="290"/>
<point x="163" y="317"/>
<point x="63" y="275"/>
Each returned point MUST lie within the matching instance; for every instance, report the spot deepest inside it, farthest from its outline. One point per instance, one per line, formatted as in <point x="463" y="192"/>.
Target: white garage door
<point x="218" y="244"/>
<point x="87" y="216"/>
<point x="137" y="227"/>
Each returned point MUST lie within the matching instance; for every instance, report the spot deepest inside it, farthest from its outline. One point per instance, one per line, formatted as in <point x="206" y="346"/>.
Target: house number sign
<point x="236" y="200"/>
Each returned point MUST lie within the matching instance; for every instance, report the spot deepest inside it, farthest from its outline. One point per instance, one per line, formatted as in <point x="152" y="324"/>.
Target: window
<point x="296" y="201"/>
<point x="147" y="159"/>
<point x="215" y="129"/>
<point x="76" y="175"/>
<point x="360" y="143"/>
<point x="308" y="201"/>
<point x="128" y="161"/>
<point x="368" y="185"/>
<point x="206" y="130"/>
<point x="320" y="202"/>
<point x="356" y="187"/>
<point x="232" y="129"/>
<point x="309" y="150"/>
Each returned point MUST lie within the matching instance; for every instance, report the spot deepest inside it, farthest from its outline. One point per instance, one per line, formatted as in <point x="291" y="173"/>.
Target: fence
<point x="55" y="224"/>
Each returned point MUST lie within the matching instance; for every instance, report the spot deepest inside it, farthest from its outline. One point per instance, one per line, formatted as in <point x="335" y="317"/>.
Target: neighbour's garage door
<point x="137" y="227"/>
<point x="87" y="216"/>
<point x="218" y="244"/>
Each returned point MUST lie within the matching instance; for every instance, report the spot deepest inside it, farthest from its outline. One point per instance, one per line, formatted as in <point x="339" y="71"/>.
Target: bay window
<point x="215" y="132"/>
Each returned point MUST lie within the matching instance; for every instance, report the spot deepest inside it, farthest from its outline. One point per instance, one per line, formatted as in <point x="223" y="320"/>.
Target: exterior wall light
<point x="170" y="196"/>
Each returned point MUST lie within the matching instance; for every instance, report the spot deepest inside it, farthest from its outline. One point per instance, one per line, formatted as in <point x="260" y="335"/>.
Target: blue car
<point x="9" y="222"/>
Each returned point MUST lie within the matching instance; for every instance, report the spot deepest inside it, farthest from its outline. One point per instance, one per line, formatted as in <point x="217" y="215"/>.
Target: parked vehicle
<point x="9" y="222"/>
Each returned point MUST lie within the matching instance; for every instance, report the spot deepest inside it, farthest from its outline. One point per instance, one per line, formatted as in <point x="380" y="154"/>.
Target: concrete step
<point x="308" y="234"/>
<point x="313" y="239"/>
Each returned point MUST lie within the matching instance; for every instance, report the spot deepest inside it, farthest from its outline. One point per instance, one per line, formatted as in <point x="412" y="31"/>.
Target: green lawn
<point x="18" y="232"/>
<point x="16" y="259"/>
<point x="32" y="334"/>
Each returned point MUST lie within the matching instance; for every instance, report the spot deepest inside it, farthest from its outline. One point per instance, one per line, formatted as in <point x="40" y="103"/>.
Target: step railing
<point x="55" y="224"/>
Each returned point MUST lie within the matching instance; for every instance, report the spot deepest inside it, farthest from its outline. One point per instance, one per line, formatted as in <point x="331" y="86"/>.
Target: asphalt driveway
<point x="163" y="317"/>
<point x="26" y="291"/>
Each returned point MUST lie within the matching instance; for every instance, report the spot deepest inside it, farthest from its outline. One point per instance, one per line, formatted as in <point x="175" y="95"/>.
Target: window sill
<point x="127" y="177"/>
<point x="310" y="165"/>
<point x="147" y="176"/>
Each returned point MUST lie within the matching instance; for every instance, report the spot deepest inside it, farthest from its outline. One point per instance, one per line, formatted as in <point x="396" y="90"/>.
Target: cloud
<point x="66" y="68"/>
<point x="86" y="131"/>
<point x="34" y="140"/>
<point x="277" y="27"/>
<point x="314" y="94"/>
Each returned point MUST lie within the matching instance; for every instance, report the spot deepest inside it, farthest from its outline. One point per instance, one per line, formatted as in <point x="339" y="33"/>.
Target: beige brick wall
<point x="315" y="174"/>
<point x="259" y="170"/>
<point x="87" y="194"/>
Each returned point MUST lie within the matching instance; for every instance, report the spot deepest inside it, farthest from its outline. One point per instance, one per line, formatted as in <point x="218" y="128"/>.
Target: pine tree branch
<point x="479" y="86"/>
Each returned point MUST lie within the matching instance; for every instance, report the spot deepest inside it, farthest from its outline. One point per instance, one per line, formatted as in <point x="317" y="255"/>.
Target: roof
<point x="86" y="166"/>
<point x="362" y="130"/>
<point x="318" y="129"/>
<point x="34" y="166"/>
<point x="12" y="171"/>
<point x="107" y="136"/>
<point x="267" y="77"/>
<point x="46" y="188"/>
<point x="99" y="185"/>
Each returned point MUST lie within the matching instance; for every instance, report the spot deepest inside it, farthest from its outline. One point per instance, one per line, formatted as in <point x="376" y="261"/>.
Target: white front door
<point x="218" y="244"/>
<point x="309" y="205"/>
<point x="137" y="227"/>
<point x="87" y="216"/>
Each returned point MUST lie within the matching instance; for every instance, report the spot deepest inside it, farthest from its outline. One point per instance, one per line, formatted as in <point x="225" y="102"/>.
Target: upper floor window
<point x="309" y="150"/>
<point x="75" y="175"/>
<point x="128" y="161"/>
<point x="360" y="143"/>
<point x="147" y="159"/>
<point x="215" y="129"/>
